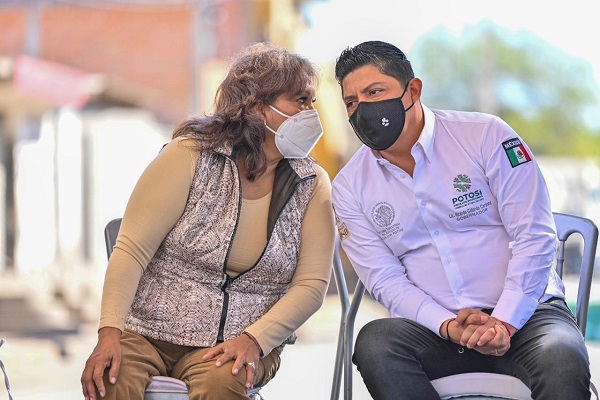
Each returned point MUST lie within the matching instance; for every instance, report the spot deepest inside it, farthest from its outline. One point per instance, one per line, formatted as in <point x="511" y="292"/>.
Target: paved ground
<point x="37" y="372"/>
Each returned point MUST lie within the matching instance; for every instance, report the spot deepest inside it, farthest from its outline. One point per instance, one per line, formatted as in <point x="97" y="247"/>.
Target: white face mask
<point x="298" y="135"/>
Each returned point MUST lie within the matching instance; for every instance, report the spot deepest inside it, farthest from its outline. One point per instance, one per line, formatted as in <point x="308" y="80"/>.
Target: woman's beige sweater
<point x="152" y="213"/>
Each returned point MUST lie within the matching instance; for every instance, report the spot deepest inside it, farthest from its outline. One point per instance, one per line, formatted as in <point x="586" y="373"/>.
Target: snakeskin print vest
<point x="184" y="296"/>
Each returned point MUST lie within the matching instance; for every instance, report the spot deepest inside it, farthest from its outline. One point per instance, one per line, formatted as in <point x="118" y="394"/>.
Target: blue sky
<point x="570" y="26"/>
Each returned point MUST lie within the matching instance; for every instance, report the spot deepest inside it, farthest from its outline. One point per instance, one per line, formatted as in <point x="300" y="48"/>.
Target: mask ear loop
<point x="279" y="112"/>
<point x="405" y="88"/>
<point x="274" y="132"/>
<point x="402" y="95"/>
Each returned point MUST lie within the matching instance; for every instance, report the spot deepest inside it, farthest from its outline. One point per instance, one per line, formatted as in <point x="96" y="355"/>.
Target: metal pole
<point x="32" y="43"/>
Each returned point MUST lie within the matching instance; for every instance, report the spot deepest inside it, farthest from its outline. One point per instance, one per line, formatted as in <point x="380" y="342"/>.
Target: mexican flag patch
<point x="516" y="152"/>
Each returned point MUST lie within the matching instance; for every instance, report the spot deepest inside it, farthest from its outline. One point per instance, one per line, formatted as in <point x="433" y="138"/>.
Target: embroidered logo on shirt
<point x="342" y="229"/>
<point x="383" y="214"/>
<point x="516" y="152"/>
<point x="461" y="183"/>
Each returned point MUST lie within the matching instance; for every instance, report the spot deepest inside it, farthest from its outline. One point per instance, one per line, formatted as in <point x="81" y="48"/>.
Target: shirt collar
<point x="428" y="133"/>
<point x="425" y="139"/>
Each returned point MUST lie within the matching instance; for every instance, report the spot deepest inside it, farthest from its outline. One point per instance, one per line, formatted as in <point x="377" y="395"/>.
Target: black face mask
<point x="378" y="124"/>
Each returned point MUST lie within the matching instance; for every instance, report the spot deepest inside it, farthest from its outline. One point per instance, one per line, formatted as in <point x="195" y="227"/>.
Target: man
<point x="446" y="218"/>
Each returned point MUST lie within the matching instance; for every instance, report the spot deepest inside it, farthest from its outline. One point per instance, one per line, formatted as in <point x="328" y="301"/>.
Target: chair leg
<point x="349" y="338"/>
<point x="342" y="289"/>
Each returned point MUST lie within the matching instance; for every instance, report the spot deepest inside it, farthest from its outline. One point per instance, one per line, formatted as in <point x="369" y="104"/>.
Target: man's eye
<point x="349" y="104"/>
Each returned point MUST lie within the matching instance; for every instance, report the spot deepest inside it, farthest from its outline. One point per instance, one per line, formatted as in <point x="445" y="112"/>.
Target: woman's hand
<point x="243" y="351"/>
<point x="107" y="353"/>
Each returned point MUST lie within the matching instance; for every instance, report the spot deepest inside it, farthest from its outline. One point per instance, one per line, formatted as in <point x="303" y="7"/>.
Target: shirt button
<point x="523" y="321"/>
<point x="402" y="176"/>
<point x="448" y="259"/>
<point x="423" y="203"/>
<point x="436" y="232"/>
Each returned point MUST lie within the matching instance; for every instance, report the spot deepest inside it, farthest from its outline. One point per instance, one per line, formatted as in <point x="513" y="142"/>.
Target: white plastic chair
<point x="6" y="381"/>
<point x="161" y="387"/>
<point x="471" y="385"/>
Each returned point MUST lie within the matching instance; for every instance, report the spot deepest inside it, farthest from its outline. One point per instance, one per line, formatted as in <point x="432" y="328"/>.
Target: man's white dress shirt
<point x="473" y="227"/>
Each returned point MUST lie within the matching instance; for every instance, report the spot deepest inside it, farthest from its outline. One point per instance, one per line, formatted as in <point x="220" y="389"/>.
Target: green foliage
<point x="544" y="94"/>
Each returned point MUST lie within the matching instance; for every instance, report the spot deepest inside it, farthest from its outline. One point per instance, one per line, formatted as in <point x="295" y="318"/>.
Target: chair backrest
<point x="111" y="231"/>
<point x="566" y="225"/>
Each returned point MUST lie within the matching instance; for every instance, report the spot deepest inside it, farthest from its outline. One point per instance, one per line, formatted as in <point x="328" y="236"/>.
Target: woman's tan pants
<point x="142" y="358"/>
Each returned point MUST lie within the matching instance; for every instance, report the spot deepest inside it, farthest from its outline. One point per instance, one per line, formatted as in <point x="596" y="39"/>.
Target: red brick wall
<point x="149" y="47"/>
<point x="13" y="31"/>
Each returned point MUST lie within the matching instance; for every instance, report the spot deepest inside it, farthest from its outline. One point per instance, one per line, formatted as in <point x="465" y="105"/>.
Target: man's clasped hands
<point x="479" y="331"/>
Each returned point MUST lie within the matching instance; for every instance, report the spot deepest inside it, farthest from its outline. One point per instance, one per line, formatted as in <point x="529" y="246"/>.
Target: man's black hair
<point x="386" y="57"/>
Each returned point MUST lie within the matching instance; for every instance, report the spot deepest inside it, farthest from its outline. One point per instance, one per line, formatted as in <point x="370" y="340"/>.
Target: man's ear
<point x="415" y="87"/>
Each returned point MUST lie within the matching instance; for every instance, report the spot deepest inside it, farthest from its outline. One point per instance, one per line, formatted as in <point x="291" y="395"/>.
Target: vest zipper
<point x="228" y="279"/>
<point x="224" y="289"/>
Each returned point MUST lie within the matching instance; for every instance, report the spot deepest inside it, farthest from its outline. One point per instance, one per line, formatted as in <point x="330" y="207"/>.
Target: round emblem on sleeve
<point x="383" y="214"/>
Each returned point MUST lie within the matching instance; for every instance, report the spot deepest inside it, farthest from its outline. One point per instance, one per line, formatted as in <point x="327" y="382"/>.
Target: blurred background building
<point x="89" y="92"/>
<point x="91" y="89"/>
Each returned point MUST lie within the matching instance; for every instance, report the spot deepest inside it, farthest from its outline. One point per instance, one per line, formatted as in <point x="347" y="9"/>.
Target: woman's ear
<point x="260" y="110"/>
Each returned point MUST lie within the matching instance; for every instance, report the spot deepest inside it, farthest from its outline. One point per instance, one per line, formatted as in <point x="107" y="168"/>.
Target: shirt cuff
<point x="515" y="308"/>
<point x="432" y="316"/>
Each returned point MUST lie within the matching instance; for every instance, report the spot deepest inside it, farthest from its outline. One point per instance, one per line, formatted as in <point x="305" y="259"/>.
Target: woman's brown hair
<point x="257" y="76"/>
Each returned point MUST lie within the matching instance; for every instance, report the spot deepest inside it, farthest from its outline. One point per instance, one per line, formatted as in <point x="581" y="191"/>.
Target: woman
<point x="226" y="244"/>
